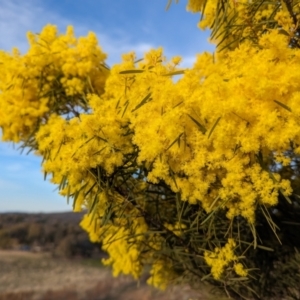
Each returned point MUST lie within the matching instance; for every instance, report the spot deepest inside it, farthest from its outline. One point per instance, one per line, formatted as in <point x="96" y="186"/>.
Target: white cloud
<point x="16" y="20"/>
<point x="18" y="17"/>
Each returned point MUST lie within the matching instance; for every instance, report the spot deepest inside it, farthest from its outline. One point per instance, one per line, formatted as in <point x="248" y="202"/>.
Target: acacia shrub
<point x="195" y="178"/>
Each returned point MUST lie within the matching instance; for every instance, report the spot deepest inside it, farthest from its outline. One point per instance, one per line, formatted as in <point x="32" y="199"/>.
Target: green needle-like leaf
<point x="131" y="71"/>
<point x="144" y="101"/>
<point x="201" y="127"/>
<point x="213" y="128"/>
<point x="283" y="105"/>
<point x="179" y="72"/>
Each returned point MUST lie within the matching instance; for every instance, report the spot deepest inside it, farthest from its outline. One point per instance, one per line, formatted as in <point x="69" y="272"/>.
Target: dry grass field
<point x="29" y="276"/>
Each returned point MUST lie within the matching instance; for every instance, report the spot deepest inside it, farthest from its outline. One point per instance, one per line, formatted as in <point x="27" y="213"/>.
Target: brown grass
<point x="27" y="276"/>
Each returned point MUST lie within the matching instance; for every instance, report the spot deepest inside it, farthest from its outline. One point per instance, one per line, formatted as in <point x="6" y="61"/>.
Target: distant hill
<point x="60" y="216"/>
<point x="57" y="233"/>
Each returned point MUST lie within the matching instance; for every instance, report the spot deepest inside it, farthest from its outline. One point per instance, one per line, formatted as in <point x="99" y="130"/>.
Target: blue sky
<point x="121" y="26"/>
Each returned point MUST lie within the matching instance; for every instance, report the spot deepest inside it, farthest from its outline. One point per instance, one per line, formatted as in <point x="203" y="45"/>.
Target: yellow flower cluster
<point x="53" y="76"/>
<point x="222" y="258"/>
<point x="123" y="243"/>
<point x="177" y="228"/>
<point x="207" y="136"/>
<point x="247" y="20"/>
<point x="161" y="274"/>
<point x="202" y="136"/>
<point x="127" y="241"/>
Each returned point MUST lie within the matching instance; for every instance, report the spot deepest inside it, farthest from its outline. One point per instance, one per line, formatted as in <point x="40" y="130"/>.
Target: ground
<point x="37" y="276"/>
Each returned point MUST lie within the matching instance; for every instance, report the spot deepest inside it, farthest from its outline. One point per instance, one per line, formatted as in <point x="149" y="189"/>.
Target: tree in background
<point x="197" y="178"/>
